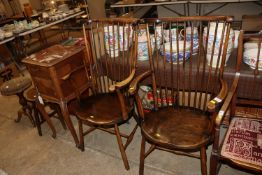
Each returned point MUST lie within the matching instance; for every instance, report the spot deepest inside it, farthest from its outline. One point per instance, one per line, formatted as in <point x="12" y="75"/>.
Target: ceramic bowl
<point x="2" y="35"/>
<point x="70" y="12"/>
<point x="8" y="34"/>
<point x="35" y="23"/>
<point x="77" y="9"/>
<point x="176" y="53"/>
<point x="250" y="58"/>
<point x="173" y="35"/>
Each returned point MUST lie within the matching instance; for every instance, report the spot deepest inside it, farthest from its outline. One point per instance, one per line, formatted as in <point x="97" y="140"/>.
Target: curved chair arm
<point x="215" y="102"/>
<point x="228" y="100"/>
<point x="123" y="83"/>
<point x="134" y="84"/>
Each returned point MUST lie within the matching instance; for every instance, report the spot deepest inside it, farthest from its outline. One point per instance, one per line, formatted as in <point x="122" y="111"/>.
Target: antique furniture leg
<point x="30" y="96"/>
<point x="203" y="158"/>
<point x="121" y="147"/>
<point x="26" y="109"/>
<point x="142" y="156"/>
<point x="37" y="120"/>
<point x="41" y="109"/>
<point x="68" y="121"/>
<point x="213" y="164"/>
<point x="60" y="116"/>
<point x="17" y="86"/>
<point x="81" y="136"/>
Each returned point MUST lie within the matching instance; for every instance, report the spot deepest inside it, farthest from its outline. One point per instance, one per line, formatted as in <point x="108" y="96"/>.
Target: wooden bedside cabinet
<point x="49" y="69"/>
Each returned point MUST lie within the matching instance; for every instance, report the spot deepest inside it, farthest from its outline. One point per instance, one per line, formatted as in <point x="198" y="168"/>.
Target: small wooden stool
<point x="17" y="86"/>
<point x="30" y="95"/>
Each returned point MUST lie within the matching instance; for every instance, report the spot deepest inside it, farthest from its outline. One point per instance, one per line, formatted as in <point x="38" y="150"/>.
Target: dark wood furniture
<point x="187" y="93"/>
<point x="110" y="70"/>
<point x="48" y="68"/>
<point x="17" y="86"/>
<point x="31" y="97"/>
<point x="239" y="148"/>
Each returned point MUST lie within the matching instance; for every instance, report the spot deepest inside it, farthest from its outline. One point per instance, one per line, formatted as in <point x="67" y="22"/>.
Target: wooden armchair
<point x="111" y="58"/>
<point x="241" y="146"/>
<point x="188" y="92"/>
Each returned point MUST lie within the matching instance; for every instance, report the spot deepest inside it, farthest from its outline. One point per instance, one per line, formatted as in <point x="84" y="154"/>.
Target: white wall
<point x="233" y="9"/>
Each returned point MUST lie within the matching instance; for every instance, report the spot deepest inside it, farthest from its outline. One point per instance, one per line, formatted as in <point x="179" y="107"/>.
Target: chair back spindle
<point x="111" y="44"/>
<point x="187" y="57"/>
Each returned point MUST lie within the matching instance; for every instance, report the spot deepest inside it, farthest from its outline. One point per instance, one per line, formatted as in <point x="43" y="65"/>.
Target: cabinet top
<point x="52" y="55"/>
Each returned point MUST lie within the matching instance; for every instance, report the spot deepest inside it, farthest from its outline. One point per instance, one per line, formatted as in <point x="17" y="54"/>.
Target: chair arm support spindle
<point x="215" y="102"/>
<point x="123" y="83"/>
<point x="228" y="100"/>
<point x="134" y="84"/>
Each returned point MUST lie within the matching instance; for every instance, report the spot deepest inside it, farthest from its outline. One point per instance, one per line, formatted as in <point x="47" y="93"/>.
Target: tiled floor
<point x="23" y="152"/>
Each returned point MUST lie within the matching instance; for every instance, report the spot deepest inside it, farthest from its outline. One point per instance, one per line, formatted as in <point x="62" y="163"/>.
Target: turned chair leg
<point x="37" y="119"/>
<point x="19" y="115"/>
<point x="121" y="147"/>
<point x="142" y="156"/>
<point x="26" y="109"/>
<point x="203" y="158"/>
<point x="60" y="116"/>
<point x="213" y="164"/>
<point x="81" y="136"/>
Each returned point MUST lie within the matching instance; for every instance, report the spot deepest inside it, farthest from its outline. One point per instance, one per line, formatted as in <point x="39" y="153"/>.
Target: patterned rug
<point x="243" y="141"/>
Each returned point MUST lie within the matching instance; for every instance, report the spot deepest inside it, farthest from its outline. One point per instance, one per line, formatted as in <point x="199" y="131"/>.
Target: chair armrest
<point x="68" y="76"/>
<point x="123" y="83"/>
<point x="134" y="84"/>
<point x="228" y="100"/>
<point x="215" y="102"/>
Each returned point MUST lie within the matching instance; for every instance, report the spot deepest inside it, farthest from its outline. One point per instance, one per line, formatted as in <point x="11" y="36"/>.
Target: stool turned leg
<point x="41" y="109"/>
<point x="37" y="119"/>
<point x="26" y="109"/>
<point x="60" y="116"/>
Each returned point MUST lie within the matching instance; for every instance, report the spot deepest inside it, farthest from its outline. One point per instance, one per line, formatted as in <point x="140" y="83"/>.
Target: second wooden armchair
<point x="241" y="146"/>
<point x="186" y="77"/>
<point x="110" y="66"/>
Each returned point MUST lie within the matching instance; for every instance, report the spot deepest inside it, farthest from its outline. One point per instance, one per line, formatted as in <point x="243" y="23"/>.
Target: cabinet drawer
<point x="78" y="78"/>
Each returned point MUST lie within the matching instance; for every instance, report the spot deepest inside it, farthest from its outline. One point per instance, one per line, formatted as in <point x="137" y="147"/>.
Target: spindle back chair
<point x="187" y="92"/>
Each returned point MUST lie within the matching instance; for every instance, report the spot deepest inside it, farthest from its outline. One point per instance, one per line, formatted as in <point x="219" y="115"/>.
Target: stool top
<point x="15" y="86"/>
<point x="30" y="95"/>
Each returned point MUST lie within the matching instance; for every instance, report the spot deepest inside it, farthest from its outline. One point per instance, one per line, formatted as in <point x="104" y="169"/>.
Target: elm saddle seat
<point x="17" y="86"/>
<point x="101" y="109"/>
<point x="30" y="95"/>
<point x="179" y="136"/>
